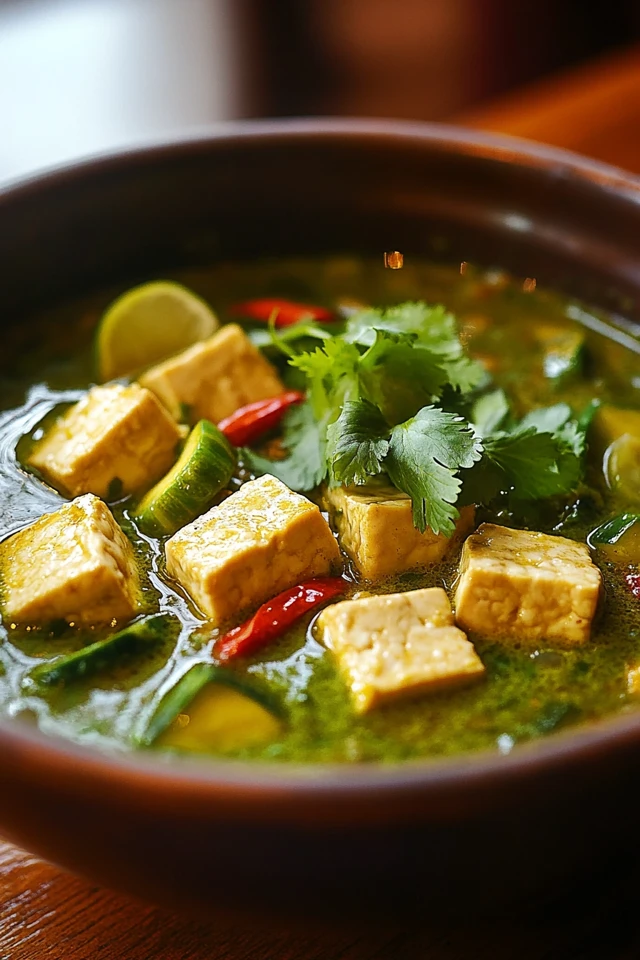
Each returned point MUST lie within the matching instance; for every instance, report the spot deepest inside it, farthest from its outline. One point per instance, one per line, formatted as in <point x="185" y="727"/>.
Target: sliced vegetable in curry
<point x="372" y="516"/>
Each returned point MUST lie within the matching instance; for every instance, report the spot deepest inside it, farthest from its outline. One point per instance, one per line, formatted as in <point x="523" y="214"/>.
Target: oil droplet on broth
<point x="394" y="260"/>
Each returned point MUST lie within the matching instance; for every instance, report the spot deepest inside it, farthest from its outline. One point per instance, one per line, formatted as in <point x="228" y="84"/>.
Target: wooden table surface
<point x="45" y="913"/>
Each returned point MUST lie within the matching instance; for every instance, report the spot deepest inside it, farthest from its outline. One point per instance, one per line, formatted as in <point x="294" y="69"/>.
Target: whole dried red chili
<point x="247" y="423"/>
<point x="633" y="582"/>
<point x="287" y="312"/>
<point x="276" y="616"/>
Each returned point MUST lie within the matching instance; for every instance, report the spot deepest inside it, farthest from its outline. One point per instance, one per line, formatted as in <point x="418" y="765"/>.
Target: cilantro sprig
<point x="384" y="394"/>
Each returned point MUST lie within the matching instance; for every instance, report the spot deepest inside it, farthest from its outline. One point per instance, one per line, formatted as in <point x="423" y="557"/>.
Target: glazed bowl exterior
<point x="222" y="836"/>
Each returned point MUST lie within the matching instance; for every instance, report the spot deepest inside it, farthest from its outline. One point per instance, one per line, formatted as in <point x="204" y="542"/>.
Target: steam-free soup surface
<point x="527" y="692"/>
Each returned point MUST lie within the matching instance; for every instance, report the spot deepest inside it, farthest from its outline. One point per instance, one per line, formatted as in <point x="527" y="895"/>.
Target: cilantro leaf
<point x="357" y="443"/>
<point x="432" y="329"/>
<point x="400" y="376"/>
<point x="465" y="374"/>
<point x="332" y="375"/>
<point x="489" y="411"/>
<point x="282" y="337"/>
<point x="539" y="457"/>
<point x="574" y="436"/>
<point x="306" y="465"/>
<point x="547" y="419"/>
<point x="425" y="454"/>
<point x="534" y="465"/>
<point x="525" y="464"/>
<point x="432" y="325"/>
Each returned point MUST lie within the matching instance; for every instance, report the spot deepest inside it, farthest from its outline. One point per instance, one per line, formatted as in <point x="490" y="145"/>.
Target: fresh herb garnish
<point x="304" y="438"/>
<point x="425" y="456"/>
<point x="385" y="393"/>
<point x="357" y="443"/>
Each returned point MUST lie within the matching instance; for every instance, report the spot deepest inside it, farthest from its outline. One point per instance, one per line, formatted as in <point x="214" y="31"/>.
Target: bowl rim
<point x="249" y="785"/>
<point x="449" y="137"/>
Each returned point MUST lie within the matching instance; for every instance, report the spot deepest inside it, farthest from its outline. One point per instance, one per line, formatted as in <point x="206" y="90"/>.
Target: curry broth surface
<point x="527" y="692"/>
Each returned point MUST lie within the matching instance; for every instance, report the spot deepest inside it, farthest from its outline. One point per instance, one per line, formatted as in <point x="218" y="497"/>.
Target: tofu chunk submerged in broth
<point x="358" y="515"/>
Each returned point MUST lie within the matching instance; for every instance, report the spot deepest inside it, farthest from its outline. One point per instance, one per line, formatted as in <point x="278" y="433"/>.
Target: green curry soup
<point x="533" y="346"/>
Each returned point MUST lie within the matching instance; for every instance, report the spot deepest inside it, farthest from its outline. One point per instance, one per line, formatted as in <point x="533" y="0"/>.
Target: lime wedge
<point x="148" y="324"/>
<point x="203" y="469"/>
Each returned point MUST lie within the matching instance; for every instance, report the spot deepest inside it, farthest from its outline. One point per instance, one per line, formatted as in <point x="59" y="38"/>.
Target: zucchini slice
<point x="210" y="709"/>
<point x="619" y="538"/>
<point x="612" y="422"/>
<point x="204" y="468"/>
<point x="621" y="465"/>
<point x="98" y="656"/>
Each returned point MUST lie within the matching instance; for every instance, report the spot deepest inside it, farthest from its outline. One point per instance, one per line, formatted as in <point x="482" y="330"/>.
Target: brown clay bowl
<point x="222" y="836"/>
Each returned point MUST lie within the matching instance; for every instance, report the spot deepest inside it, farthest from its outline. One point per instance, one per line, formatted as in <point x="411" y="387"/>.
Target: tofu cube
<point x="375" y="526"/>
<point x="214" y="378"/>
<point x="398" y="644"/>
<point x="528" y="586"/>
<point x="257" y="543"/>
<point x="75" y="564"/>
<point x="116" y="440"/>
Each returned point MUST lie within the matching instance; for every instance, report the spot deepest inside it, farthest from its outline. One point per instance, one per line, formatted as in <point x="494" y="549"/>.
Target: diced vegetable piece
<point x="250" y="422"/>
<point x="609" y="423"/>
<point x="204" y="468"/>
<point x="613" y="530"/>
<point x="276" y="616"/>
<point x="75" y="564"/>
<point x="117" y="440"/>
<point x="285" y="311"/>
<point x="397" y="645"/>
<point x="147" y="324"/>
<point x="214" y="378"/>
<point x="210" y="708"/>
<point x="222" y="719"/>
<point x="258" y="542"/>
<point x="135" y="639"/>
<point x="564" y="350"/>
<point x="522" y="585"/>
<point x="375" y="527"/>
<point x="615" y="436"/>
<point x="176" y="699"/>
<point x="619" y="538"/>
<point x="622" y="467"/>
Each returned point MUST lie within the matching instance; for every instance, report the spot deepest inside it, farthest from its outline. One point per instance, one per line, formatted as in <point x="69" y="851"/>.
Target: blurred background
<point x="81" y="76"/>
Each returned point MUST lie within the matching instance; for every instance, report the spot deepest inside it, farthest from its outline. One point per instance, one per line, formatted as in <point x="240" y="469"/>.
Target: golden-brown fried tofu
<point x="215" y="377"/>
<point x="254" y="545"/>
<point x="397" y="644"/>
<point x="116" y="440"/>
<point x="523" y="585"/>
<point x="75" y="564"/>
<point x="375" y="527"/>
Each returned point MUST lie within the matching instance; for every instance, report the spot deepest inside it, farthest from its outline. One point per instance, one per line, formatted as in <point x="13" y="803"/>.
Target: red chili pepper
<point x="277" y="615"/>
<point x="633" y="582"/>
<point x="250" y="422"/>
<point x="288" y="312"/>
